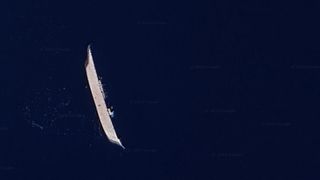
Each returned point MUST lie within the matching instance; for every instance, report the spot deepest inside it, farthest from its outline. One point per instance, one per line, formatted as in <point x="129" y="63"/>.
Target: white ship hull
<point x="99" y="100"/>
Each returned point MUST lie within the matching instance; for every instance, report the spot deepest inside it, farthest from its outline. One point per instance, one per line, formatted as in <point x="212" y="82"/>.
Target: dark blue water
<point x="201" y="90"/>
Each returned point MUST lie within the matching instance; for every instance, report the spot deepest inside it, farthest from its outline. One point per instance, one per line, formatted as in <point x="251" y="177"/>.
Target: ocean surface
<point x="201" y="90"/>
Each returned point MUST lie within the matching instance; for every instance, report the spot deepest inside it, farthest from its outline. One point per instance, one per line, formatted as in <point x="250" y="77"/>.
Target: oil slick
<point x="98" y="95"/>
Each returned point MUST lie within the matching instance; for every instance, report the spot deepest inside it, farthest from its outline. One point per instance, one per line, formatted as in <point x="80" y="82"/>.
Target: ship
<point x="104" y="113"/>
